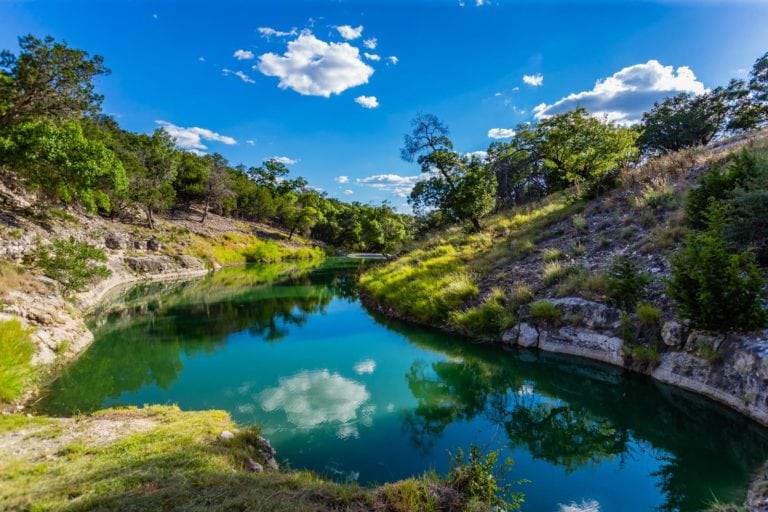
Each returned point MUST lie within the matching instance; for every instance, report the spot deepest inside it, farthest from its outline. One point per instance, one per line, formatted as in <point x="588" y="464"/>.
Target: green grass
<point x="544" y="312"/>
<point x="648" y="315"/>
<point x="439" y="276"/>
<point x="181" y="463"/>
<point x="487" y="319"/>
<point x="236" y="249"/>
<point x="555" y="272"/>
<point x="16" y="350"/>
<point x="553" y="254"/>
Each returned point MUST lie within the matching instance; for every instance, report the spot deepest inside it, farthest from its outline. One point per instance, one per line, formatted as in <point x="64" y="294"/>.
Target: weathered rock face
<point x="523" y="334"/>
<point x="578" y="311"/>
<point x="147" y="264"/>
<point x="187" y="261"/>
<point x="583" y="342"/>
<point x="739" y="378"/>
<point x="116" y="241"/>
<point x="153" y="244"/>
<point x="672" y="334"/>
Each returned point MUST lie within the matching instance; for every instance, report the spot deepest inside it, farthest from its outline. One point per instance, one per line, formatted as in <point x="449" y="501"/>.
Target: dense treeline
<point x="53" y="136"/>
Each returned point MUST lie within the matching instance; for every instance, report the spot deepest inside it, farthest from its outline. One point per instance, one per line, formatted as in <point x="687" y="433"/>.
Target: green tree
<point x="47" y="79"/>
<point x="191" y="178"/>
<point x="60" y="162"/>
<point x="73" y="264"/>
<point x="714" y="289"/>
<point x="462" y="188"/>
<point x="683" y="121"/>
<point x="580" y="147"/>
<point x="218" y="185"/>
<point x="153" y="188"/>
<point x="269" y="174"/>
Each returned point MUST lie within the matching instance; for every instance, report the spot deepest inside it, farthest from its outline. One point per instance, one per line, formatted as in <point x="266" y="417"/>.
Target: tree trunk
<point x="290" y="235"/>
<point x="150" y="218"/>
<point x="205" y="212"/>
<point x="475" y="224"/>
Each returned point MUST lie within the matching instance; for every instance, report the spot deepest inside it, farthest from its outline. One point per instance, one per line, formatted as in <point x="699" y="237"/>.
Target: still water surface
<point x="358" y="397"/>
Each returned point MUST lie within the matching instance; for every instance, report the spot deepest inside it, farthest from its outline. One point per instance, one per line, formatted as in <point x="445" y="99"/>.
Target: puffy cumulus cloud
<point x="367" y="101"/>
<point x="349" y="32"/>
<point x="192" y="138"/>
<point x="239" y="74"/>
<point x="392" y="59"/>
<point x="395" y="184"/>
<point x="283" y="160"/>
<point x="313" y="67"/>
<point x="501" y="133"/>
<point x="480" y="155"/>
<point x="341" y="179"/>
<point x="534" y="80"/>
<point x="371" y="43"/>
<point x="269" y="32"/>
<point x="372" y="56"/>
<point x="365" y="367"/>
<point x="348" y="192"/>
<point x="243" y="55"/>
<point x="584" y="506"/>
<point x="310" y="399"/>
<point x="625" y="95"/>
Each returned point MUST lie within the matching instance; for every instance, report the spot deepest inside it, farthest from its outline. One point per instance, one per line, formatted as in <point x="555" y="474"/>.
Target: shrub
<point x="521" y="295"/>
<point x="16" y="352"/>
<point x="626" y="284"/>
<point x="72" y="263"/>
<point x="552" y="254"/>
<point x="489" y="318"/>
<point x="658" y="195"/>
<point x="474" y="479"/>
<point x="554" y="272"/>
<point x="545" y="312"/>
<point x="648" y="315"/>
<point x="714" y="289"/>
<point x="644" y="355"/>
<point x="580" y="223"/>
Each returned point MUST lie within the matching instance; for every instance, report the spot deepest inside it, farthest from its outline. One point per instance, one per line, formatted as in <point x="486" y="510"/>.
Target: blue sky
<point x="302" y="87"/>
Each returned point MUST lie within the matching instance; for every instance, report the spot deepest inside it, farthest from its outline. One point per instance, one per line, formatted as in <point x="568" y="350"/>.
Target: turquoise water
<point x="361" y="398"/>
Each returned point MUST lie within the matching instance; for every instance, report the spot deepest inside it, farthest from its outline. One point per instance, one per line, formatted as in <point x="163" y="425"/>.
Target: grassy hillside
<point x="478" y="283"/>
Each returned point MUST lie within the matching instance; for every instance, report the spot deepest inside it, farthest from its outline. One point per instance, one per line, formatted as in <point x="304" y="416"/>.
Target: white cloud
<point x="501" y="133"/>
<point x="584" y="506"/>
<point x="480" y="155"/>
<point x="269" y="32"/>
<point x="201" y="59"/>
<point x="315" y="68"/>
<point x="154" y="16"/>
<point x="348" y="192"/>
<point x="497" y="94"/>
<point x="534" y="80"/>
<point x="393" y="183"/>
<point x="243" y="55"/>
<point x="367" y="101"/>
<point x="341" y="179"/>
<point x="365" y="367"/>
<point x="311" y="399"/>
<point x="239" y="74"/>
<point x="480" y="3"/>
<point x="371" y="43"/>
<point x="250" y="142"/>
<point x="372" y="56"/>
<point x="284" y="160"/>
<point x="625" y="95"/>
<point x="349" y="32"/>
<point x="392" y="59"/>
<point x="192" y="138"/>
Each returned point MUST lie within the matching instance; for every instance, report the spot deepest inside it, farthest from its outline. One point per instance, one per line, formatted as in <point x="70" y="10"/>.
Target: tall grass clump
<point x="16" y="351"/>
<point x="488" y="319"/>
<point x="236" y="249"/>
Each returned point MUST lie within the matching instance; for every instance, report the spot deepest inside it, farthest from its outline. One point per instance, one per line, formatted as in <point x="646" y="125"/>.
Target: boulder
<point x="252" y="465"/>
<point x="578" y="311"/>
<point x="187" y="261"/>
<point x="147" y="264"/>
<point x="115" y="241"/>
<point x="698" y="339"/>
<point x="522" y="334"/>
<point x="153" y="244"/>
<point x="672" y="334"/>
